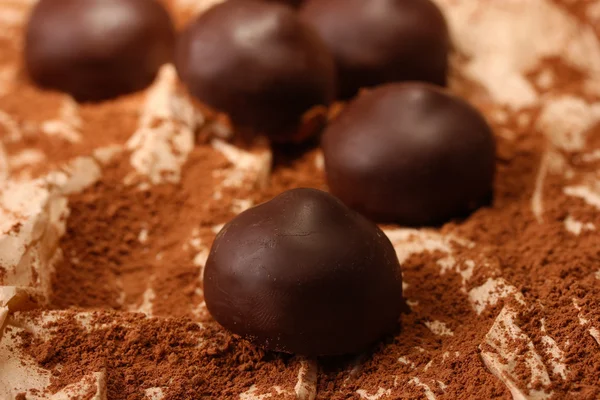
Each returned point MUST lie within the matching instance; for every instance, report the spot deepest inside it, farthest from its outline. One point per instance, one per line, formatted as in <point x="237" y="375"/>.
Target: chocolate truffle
<point x="293" y="3"/>
<point x="257" y="62"/>
<point x="97" y="49"/>
<point x="304" y="274"/>
<point x="380" y="41"/>
<point x="410" y="153"/>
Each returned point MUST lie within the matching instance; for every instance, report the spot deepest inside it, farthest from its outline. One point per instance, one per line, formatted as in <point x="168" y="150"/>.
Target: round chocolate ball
<point x="304" y="274"/>
<point x="257" y="62"/>
<point x="380" y="41"/>
<point x="97" y="49"/>
<point x="410" y="153"/>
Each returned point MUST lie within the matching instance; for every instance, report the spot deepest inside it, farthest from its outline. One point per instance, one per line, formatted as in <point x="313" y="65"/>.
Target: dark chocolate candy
<point x="97" y="49"/>
<point x="293" y="3"/>
<point x="410" y="153"/>
<point x="304" y="274"/>
<point x="257" y="62"/>
<point x="380" y="41"/>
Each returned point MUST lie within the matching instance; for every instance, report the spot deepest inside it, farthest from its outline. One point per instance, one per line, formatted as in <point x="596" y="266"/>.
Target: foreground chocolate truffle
<point x="304" y="274"/>
<point x="410" y="153"/>
<point x="257" y="62"/>
<point x="380" y="41"/>
<point x="97" y="49"/>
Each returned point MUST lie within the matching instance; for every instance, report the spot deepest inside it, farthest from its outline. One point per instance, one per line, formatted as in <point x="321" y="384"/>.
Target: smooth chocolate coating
<point x="97" y="49"/>
<point x="293" y="3"/>
<point x="304" y="274"/>
<point x="410" y="153"/>
<point x="257" y="62"/>
<point x="380" y="41"/>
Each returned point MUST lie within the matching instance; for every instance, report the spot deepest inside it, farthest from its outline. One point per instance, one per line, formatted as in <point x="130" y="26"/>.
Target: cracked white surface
<point x="248" y="166"/>
<point x="20" y="374"/>
<point x="4" y="164"/>
<point x="406" y="361"/>
<point x="554" y="352"/>
<point x="521" y="32"/>
<point x="577" y="227"/>
<point x="408" y="242"/>
<point x="165" y="134"/>
<point x="14" y="13"/>
<point x="3" y="316"/>
<point x="566" y="119"/>
<point x="93" y="385"/>
<point x="439" y="328"/>
<point x="155" y="393"/>
<point x="10" y="126"/>
<point x="506" y="348"/>
<point x="429" y="395"/>
<point x="24" y="158"/>
<point x="306" y="386"/>
<point x="32" y="219"/>
<point x="381" y="393"/>
<point x="588" y="193"/>
<point x="68" y="123"/>
<point x="537" y="205"/>
<point x="464" y="269"/>
<point x="592" y="330"/>
<point x="147" y="303"/>
<point x="492" y="291"/>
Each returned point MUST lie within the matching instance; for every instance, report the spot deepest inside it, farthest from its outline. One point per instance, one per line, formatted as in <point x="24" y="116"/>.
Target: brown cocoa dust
<point x="128" y="249"/>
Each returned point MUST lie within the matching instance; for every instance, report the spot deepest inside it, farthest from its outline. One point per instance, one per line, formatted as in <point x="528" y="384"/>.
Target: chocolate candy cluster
<point x="305" y="272"/>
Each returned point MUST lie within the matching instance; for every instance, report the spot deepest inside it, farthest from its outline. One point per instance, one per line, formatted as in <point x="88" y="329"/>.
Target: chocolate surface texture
<point x="299" y="273"/>
<point x="97" y="49"/>
<point x="410" y="153"/>
<point x="381" y="41"/>
<point x="257" y="62"/>
<point x="108" y="211"/>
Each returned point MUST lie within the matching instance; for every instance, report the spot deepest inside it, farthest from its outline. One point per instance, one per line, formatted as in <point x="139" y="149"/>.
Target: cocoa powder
<point x="509" y="239"/>
<point x="190" y="360"/>
<point x="128" y="249"/>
